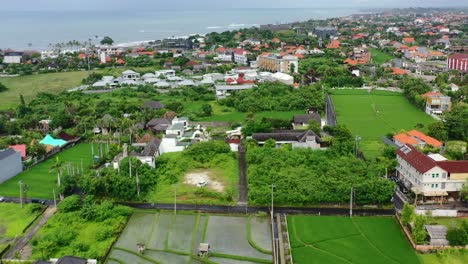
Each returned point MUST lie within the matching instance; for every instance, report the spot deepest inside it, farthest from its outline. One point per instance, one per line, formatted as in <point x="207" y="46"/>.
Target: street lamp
<point x="272" y="186"/>
<point x="357" y="139"/>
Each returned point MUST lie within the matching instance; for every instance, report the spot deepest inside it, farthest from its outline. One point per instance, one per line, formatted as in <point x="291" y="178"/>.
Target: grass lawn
<point x="374" y="115"/>
<point x="444" y="258"/>
<point x="13" y="219"/>
<point x="31" y="85"/>
<point x="379" y="56"/>
<point x="332" y="239"/>
<point x="173" y="238"/>
<point x="40" y="180"/>
<point x="222" y="169"/>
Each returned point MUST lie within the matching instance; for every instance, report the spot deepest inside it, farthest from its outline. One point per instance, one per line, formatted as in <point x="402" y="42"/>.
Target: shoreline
<point x="201" y="27"/>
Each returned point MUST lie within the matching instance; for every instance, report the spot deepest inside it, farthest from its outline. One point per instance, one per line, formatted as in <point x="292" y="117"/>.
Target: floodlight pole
<point x="272" y="186"/>
<point x="351" y="203"/>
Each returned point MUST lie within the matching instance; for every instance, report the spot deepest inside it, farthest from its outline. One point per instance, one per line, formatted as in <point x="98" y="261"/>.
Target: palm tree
<point x="58" y="165"/>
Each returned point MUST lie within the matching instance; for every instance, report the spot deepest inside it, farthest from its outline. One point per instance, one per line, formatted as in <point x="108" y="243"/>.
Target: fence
<point x="330" y="111"/>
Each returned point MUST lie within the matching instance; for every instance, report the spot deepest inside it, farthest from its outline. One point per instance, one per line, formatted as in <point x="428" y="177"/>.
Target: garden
<point x="174" y="238"/>
<point x="333" y="239"/>
<point x="376" y="114"/>
<point x="41" y="179"/>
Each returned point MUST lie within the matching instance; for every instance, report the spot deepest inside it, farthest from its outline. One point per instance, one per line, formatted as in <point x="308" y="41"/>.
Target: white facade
<point x="433" y="180"/>
<point x="12" y="59"/>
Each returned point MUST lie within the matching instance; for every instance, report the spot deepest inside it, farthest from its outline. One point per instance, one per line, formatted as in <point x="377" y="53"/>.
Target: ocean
<point x="19" y="29"/>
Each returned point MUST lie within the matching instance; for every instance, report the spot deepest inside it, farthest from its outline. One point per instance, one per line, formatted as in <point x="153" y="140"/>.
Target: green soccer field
<point x="373" y="115"/>
<point x="336" y="240"/>
<point x="41" y="180"/>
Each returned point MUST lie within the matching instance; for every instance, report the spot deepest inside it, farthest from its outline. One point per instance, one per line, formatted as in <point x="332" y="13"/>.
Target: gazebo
<point x="203" y="249"/>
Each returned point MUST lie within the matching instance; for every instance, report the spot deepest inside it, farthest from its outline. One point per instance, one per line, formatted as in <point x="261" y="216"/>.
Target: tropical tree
<point x="58" y="165"/>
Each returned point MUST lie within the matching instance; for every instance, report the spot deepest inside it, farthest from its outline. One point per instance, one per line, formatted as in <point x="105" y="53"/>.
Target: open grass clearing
<point x="380" y="57"/>
<point x="223" y="176"/>
<point x="444" y="258"/>
<point x="173" y="238"/>
<point x="41" y="180"/>
<point x="373" y="115"/>
<point x="29" y="86"/>
<point x="13" y="220"/>
<point x="330" y="239"/>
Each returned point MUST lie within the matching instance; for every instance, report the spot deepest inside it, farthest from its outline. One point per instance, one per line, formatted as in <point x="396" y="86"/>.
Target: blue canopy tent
<point x="49" y="140"/>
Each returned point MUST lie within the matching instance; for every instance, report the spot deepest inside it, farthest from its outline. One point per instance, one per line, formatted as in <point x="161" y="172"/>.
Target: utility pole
<point x="55" y="199"/>
<point x="272" y="186"/>
<point x="351" y="202"/>
<point x="175" y="199"/>
<point x="21" y="193"/>
<point x="137" y="182"/>
<point x="130" y="165"/>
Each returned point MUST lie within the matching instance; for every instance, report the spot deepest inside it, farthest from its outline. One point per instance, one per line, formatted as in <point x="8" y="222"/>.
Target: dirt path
<point x="22" y="244"/>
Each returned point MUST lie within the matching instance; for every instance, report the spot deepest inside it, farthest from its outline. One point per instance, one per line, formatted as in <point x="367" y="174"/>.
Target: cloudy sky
<point x="31" y="5"/>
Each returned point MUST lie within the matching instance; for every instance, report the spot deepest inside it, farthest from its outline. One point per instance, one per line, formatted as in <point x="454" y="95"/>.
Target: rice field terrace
<point x="175" y="239"/>
<point x="360" y="240"/>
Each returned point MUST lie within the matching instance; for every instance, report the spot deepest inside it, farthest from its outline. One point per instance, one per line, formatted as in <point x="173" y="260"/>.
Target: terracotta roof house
<point x="429" y="176"/>
<point x="21" y="149"/>
<point x="398" y="71"/>
<point x="334" y="44"/>
<point x="409" y="40"/>
<point x="416" y="138"/>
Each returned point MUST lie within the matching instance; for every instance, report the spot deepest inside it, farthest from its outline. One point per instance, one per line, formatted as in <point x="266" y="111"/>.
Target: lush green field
<point x="373" y="115"/>
<point x="379" y="56"/>
<point x="41" y="180"/>
<point x="331" y="239"/>
<point x="31" y="85"/>
<point x="173" y="238"/>
<point x="444" y="258"/>
<point x="13" y="219"/>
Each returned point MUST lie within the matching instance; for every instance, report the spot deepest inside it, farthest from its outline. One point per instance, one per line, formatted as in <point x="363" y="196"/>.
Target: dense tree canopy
<point x="275" y="97"/>
<point x="306" y="177"/>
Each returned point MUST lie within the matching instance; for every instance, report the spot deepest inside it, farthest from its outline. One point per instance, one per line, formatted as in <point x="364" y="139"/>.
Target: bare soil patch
<point x="194" y="178"/>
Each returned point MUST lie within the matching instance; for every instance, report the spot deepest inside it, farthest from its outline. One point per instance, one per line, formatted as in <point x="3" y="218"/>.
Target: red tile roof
<point x="21" y="149"/>
<point x="460" y="166"/>
<point x="459" y="56"/>
<point x="431" y="94"/>
<point x="417" y="159"/>
<point x="427" y="139"/>
<point x="408" y="40"/>
<point x="398" y="71"/>
<point x="335" y="44"/>
<point x="405" y="139"/>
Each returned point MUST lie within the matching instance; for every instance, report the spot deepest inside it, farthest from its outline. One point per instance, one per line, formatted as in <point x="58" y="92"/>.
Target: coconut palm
<point x="58" y="165"/>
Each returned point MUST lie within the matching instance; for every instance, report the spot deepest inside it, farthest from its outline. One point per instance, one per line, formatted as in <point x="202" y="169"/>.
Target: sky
<point x="80" y="5"/>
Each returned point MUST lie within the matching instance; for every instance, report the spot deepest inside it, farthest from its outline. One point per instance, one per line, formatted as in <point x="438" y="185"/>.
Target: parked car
<point x="202" y="183"/>
<point x="2" y="199"/>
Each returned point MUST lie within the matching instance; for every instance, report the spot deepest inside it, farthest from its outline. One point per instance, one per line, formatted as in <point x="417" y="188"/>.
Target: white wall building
<point x="430" y="176"/>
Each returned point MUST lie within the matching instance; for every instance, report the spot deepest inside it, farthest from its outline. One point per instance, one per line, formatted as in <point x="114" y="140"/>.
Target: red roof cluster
<point x="423" y="163"/>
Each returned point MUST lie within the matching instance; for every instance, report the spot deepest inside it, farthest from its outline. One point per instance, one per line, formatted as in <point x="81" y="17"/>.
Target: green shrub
<point x="70" y="204"/>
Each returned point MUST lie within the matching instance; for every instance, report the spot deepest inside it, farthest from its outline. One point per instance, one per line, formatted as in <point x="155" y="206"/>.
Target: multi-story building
<point x="10" y="164"/>
<point x="437" y="103"/>
<point x="325" y="32"/>
<point x="433" y="176"/>
<point x="458" y="62"/>
<point x="277" y="63"/>
<point x="240" y="57"/>
<point x="13" y="57"/>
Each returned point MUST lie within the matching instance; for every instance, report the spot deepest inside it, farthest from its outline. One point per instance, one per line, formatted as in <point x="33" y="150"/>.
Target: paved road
<point x="23" y="241"/>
